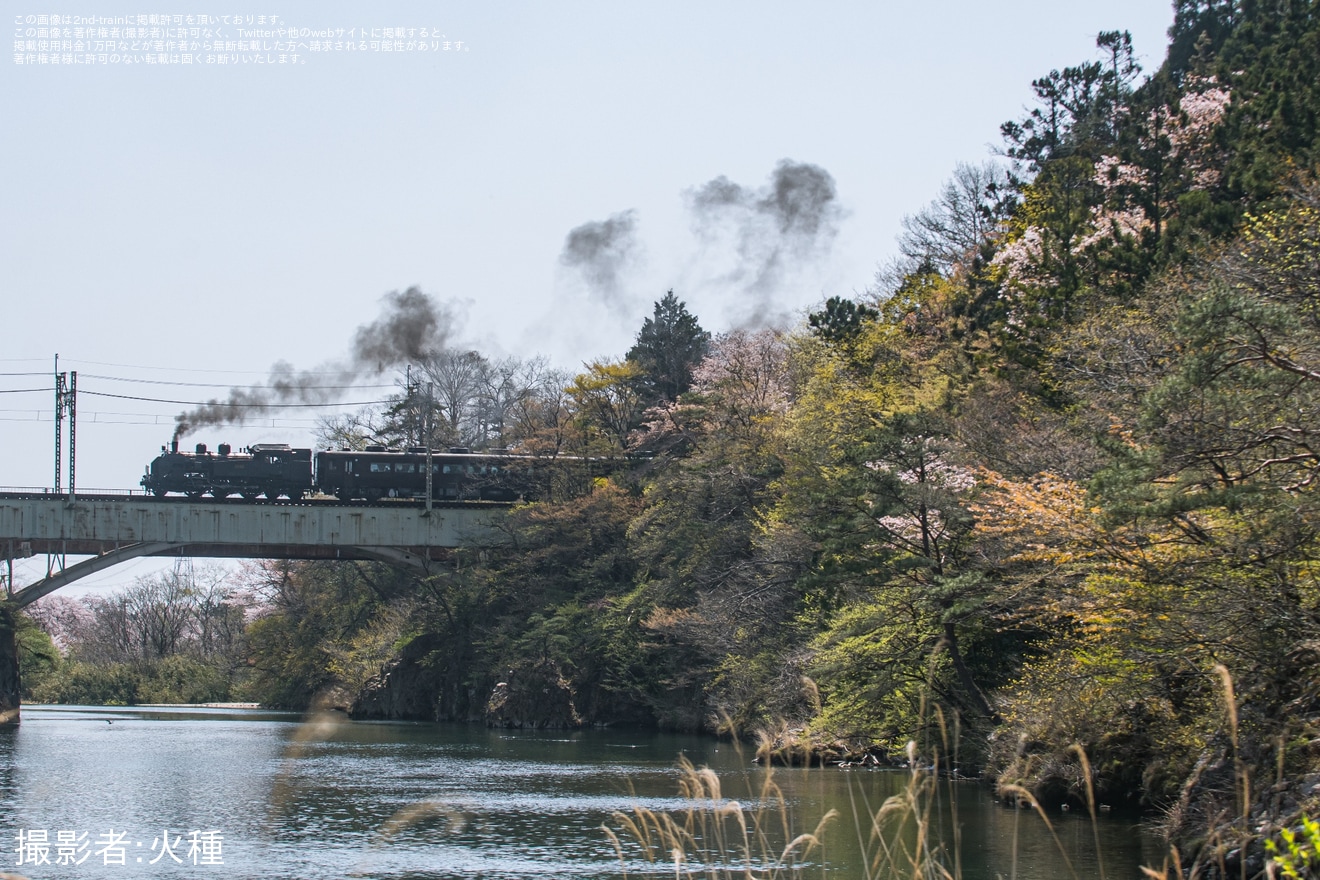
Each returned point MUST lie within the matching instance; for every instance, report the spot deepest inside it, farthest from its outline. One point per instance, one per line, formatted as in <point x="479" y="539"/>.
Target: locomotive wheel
<point x="219" y="493"/>
<point x="272" y="494"/>
<point x="160" y="492"/>
<point x="193" y="493"/>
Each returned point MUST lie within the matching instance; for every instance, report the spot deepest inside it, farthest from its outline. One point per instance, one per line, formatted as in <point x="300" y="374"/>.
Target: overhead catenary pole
<point x="59" y="422"/>
<point x="66" y="403"/>
<point x="72" y="403"/>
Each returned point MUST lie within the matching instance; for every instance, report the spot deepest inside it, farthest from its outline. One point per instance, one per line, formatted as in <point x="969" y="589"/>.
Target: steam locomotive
<point x="272" y="470"/>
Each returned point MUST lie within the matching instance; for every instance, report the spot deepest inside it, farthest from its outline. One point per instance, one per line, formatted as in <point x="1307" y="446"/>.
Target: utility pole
<point x="414" y="420"/>
<point x="430" y="467"/>
<point x="410" y="406"/>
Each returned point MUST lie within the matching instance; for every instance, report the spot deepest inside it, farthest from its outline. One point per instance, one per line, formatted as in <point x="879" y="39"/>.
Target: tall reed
<point x="715" y="837"/>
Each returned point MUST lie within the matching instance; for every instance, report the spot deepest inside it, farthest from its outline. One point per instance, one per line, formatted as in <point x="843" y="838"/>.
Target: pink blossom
<point x="1113" y="225"/>
<point x="1022" y="260"/>
<point x="1200" y="110"/>
<point x="746" y="367"/>
<point x="1111" y="173"/>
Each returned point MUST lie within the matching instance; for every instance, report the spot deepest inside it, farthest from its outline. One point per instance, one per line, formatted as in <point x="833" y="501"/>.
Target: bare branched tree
<point x="182" y="611"/>
<point x="456" y="379"/>
<point x="949" y="231"/>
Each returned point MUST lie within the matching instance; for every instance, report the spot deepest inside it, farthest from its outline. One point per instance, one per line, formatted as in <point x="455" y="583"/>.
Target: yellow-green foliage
<point x="365" y="651"/>
<point x="875" y="666"/>
<point x="1296" y="853"/>
<point x="1141" y="728"/>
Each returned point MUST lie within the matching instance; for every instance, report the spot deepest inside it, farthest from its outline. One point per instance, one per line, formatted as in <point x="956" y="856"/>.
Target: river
<point x="221" y="793"/>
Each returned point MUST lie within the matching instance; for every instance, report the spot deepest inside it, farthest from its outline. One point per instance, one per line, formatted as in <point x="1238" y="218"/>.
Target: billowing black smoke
<point x="773" y="229"/>
<point x="603" y="251"/>
<point x="411" y="326"/>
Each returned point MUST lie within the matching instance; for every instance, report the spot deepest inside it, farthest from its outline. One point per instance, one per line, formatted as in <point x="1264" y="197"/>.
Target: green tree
<point x="312" y="613"/>
<point x="608" y="405"/>
<point x="841" y="319"/>
<point x="669" y="345"/>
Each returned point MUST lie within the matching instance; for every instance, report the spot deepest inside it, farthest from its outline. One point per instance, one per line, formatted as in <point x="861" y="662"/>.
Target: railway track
<point x="117" y="495"/>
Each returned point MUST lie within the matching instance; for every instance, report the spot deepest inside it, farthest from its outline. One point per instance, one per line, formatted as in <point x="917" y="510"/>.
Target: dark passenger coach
<point x="376" y="473"/>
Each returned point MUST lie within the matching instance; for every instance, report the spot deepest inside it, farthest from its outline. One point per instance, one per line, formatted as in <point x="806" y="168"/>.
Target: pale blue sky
<point x="200" y="223"/>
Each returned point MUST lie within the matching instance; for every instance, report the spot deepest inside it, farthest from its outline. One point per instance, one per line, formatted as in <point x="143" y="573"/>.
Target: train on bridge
<point x="271" y="471"/>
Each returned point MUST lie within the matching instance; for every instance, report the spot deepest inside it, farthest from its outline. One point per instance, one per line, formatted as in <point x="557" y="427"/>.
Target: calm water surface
<point x="290" y="798"/>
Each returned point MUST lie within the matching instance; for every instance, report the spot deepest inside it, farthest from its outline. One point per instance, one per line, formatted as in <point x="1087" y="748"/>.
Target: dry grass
<point x="913" y="835"/>
<point x="716" y="837"/>
<point x="902" y="841"/>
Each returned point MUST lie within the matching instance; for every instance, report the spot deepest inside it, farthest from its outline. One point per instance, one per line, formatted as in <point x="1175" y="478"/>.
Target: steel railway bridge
<point x="114" y="528"/>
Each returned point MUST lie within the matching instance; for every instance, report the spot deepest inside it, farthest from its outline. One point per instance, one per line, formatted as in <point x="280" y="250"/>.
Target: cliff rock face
<point x="406" y="689"/>
<point x="533" y="697"/>
<point x="432" y="681"/>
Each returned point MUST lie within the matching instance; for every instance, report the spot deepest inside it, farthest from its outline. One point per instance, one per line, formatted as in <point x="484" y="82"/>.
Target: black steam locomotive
<point x="273" y="470"/>
<point x="267" y="469"/>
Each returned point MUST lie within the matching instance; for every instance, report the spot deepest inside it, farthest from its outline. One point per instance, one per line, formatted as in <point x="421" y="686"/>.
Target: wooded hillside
<point x="1054" y="476"/>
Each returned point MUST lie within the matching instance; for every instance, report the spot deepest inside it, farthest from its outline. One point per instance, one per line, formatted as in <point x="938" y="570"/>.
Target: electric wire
<point x="169" y="421"/>
<point x="244" y="412"/>
<point x="236" y="406"/>
<point x="191" y="369"/>
<point x="224" y="384"/>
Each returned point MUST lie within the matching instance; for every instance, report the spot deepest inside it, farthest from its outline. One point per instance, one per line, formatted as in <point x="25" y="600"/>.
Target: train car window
<point x="446" y="470"/>
<point x="406" y="468"/>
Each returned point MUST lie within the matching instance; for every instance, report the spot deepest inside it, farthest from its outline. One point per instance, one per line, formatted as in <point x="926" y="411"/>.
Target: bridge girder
<point x="116" y="529"/>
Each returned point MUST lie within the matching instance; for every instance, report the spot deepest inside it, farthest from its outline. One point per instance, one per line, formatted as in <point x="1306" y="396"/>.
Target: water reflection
<point x="333" y="798"/>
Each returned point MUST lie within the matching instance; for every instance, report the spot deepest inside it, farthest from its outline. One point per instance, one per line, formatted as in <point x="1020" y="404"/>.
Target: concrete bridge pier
<point x="10" y="682"/>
